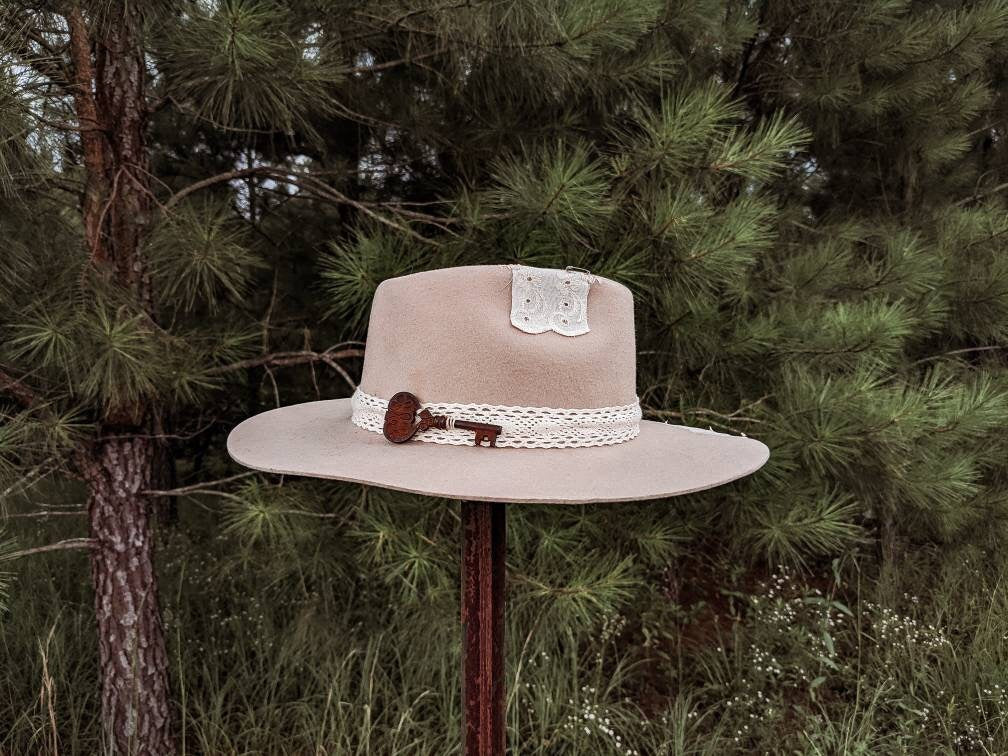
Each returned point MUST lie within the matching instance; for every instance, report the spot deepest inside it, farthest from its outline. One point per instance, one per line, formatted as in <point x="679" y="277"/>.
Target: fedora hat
<point x="497" y="383"/>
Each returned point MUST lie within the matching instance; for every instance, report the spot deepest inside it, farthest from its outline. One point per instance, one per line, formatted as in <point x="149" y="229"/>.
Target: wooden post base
<point x="483" y="551"/>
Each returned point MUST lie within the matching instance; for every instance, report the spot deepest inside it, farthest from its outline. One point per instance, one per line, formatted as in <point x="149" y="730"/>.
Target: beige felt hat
<point x="523" y="384"/>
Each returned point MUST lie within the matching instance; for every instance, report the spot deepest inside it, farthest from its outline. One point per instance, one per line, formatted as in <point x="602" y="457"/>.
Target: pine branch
<point x="45" y="513"/>
<point x="407" y="15"/>
<point x="399" y="62"/>
<point x="947" y="51"/>
<point x="220" y="178"/>
<point x="978" y="194"/>
<point x="15" y="388"/>
<point x="196" y="487"/>
<point x="334" y="195"/>
<point x="750" y="47"/>
<point x="36" y="473"/>
<point x="68" y="544"/>
<point x="160" y="436"/>
<point x="310" y="184"/>
<point x="286" y="359"/>
<point x="50" y="66"/>
<point x="61" y="125"/>
<point x="969" y="350"/>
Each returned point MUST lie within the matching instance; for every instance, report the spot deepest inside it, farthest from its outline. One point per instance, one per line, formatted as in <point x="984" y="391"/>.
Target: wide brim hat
<point x="543" y="361"/>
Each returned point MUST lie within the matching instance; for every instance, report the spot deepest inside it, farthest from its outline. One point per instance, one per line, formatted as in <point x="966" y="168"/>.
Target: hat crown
<point x="447" y="336"/>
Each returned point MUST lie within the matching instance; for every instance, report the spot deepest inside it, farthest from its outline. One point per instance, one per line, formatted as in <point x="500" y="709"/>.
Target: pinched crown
<point x="447" y="336"/>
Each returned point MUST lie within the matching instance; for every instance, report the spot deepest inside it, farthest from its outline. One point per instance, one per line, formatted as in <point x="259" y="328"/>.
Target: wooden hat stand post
<point x="484" y="528"/>
<point x="484" y="543"/>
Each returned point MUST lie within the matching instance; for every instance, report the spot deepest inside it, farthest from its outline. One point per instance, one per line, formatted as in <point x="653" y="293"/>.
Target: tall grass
<point x="329" y="659"/>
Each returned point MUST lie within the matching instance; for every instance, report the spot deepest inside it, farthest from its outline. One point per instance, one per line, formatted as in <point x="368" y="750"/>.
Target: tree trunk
<point x="109" y="96"/>
<point x="132" y="655"/>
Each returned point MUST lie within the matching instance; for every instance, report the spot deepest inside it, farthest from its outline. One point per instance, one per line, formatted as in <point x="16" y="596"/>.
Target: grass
<point x="329" y="655"/>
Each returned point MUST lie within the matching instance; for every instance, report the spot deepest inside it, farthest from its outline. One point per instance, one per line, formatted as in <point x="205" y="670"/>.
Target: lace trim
<point x="544" y="299"/>
<point x="523" y="427"/>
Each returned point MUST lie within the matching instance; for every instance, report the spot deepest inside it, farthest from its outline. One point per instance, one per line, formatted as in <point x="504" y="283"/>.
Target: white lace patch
<point x="543" y="299"/>
<point x="522" y="427"/>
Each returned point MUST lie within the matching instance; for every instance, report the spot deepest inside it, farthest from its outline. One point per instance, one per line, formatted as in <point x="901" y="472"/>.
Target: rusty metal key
<point x="404" y="419"/>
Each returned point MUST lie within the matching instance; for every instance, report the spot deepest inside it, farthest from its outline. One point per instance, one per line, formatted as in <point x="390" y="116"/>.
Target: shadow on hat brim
<point x="317" y="439"/>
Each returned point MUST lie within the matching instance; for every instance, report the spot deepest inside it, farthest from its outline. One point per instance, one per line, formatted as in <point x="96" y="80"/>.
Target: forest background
<point x="807" y="197"/>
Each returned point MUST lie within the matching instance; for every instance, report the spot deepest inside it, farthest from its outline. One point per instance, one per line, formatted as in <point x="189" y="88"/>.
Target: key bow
<point x="404" y="419"/>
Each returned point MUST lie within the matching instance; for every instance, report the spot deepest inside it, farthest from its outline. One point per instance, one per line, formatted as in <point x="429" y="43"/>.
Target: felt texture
<point x="446" y="336"/>
<point x="317" y="439"/>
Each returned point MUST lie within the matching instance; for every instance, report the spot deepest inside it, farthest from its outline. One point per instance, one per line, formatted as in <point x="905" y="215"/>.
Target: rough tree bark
<point x="109" y="97"/>
<point x="134" y="663"/>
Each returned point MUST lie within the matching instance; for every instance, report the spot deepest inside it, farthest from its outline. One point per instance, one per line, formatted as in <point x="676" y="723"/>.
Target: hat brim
<point x="318" y="440"/>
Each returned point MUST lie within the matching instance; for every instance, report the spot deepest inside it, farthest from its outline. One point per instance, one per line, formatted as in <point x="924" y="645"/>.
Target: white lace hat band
<point x="521" y="427"/>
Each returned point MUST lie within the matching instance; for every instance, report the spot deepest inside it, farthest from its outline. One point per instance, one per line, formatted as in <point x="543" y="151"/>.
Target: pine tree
<point x="122" y="293"/>
<point x="883" y="304"/>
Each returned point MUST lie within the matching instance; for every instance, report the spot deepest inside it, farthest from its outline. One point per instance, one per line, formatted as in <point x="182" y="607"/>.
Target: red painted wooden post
<point x="483" y="547"/>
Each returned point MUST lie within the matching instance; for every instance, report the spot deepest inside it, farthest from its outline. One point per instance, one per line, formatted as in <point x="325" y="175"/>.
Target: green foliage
<point x="798" y="529"/>
<point x="19" y="163"/>
<point x="11" y="131"/>
<point x="564" y="195"/>
<point x="120" y="370"/>
<point x="871" y="678"/>
<point x="200" y="255"/>
<point x="807" y="200"/>
<point x="247" y="65"/>
<point x="351" y="271"/>
<point x="283" y="663"/>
